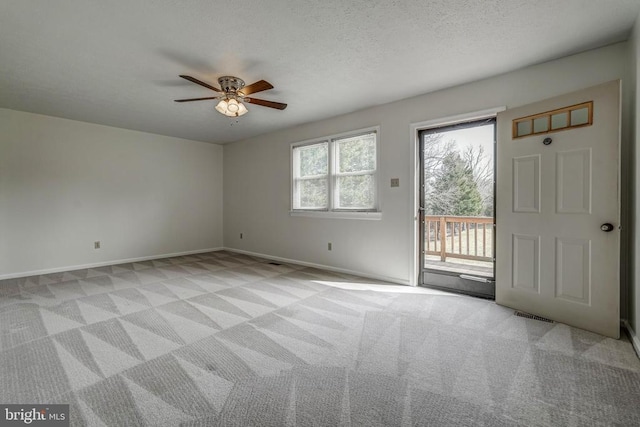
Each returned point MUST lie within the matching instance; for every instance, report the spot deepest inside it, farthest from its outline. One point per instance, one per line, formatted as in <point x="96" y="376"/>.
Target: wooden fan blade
<point x="195" y="99"/>
<point x="198" y="82"/>
<point x="270" y="104"/>
<point x="256" y="87"/>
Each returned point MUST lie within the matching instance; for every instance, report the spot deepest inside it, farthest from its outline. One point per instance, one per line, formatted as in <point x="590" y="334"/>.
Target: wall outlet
<point x="329" y="246"/>
<point x="96" y="244"/>
<point x="395" y="182"/>
<point x="240" y="236"/>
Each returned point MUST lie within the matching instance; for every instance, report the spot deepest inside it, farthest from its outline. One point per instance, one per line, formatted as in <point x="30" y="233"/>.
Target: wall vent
<point x="532" y="316"/>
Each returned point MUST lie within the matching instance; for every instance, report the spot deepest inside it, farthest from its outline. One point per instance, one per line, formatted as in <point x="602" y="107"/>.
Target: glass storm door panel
<point x="457" y="180"/>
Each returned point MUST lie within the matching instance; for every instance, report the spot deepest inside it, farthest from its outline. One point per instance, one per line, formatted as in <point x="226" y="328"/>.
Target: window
<point x="561" y="119"/>
<point x="311" y="173"/>
<point x="336" y="173"/>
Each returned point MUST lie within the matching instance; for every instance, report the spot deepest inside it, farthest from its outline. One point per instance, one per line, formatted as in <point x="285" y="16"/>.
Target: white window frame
<point x="331" y="211"/>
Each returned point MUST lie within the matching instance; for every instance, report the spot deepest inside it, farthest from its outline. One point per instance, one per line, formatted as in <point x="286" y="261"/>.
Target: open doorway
<point x="457" y="204"/>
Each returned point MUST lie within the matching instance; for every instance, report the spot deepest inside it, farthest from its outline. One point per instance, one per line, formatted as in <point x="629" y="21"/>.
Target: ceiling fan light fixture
<point x="231" y="108"/>
<point x="222" y="107"/>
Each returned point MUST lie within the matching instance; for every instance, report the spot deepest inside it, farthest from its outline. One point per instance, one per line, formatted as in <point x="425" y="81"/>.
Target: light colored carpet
<point x="222" y="339"/>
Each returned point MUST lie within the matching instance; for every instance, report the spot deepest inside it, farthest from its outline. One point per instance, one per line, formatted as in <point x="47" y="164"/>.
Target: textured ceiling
<point x="117" y="62"/>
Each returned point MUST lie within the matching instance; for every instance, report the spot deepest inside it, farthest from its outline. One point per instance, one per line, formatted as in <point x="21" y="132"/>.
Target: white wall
<point x="257" y="176"/>
<point x="634" y="286"/>
<point x="65" y="184"/>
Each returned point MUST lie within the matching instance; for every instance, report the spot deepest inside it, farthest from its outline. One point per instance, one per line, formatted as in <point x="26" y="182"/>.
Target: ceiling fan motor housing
<point x="230" y="84"/>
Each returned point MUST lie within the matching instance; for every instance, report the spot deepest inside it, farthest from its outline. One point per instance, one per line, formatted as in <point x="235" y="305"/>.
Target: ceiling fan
<point x="233" y="95"/>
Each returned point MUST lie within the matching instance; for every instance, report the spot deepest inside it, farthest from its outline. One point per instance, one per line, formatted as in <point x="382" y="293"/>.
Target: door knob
<point x="606" y="227"/>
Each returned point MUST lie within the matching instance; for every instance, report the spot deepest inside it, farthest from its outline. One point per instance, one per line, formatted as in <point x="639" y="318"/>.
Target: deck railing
<point x="465" y="237"/>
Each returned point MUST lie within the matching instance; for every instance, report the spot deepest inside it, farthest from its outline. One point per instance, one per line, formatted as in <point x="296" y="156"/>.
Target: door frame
<point x="415" y="265"/>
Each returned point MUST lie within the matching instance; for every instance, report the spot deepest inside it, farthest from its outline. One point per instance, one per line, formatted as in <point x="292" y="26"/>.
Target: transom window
<point x="336" y="173"/>
<point x="552" y="121"/>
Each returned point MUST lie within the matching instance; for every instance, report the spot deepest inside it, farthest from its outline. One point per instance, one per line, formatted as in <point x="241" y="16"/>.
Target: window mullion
<point x="331" y="175"/>
<point x="363" y="172"/>
<point x="328" y="175"/>
<point x="310" y="177"/>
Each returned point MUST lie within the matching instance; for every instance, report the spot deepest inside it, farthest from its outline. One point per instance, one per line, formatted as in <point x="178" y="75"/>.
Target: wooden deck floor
<point x="460" y="266"/>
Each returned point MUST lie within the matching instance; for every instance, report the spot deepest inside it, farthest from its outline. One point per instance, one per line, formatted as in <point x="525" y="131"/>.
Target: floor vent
<point x="532" y="316"/>
<point x="274" y="263"/>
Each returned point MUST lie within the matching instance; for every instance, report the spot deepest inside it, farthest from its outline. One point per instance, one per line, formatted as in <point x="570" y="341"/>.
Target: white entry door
<point x="555" y="199"/>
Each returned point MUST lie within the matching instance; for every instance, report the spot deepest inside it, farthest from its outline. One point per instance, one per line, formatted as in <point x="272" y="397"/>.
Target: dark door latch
<point x="606" y="227"/>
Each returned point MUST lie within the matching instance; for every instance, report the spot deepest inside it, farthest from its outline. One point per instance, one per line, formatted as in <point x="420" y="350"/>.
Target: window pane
<point x="357" y="153"/>
<point x="313" y="160"/>
<point x="559" y="121"/>
<point x="580" y="117"/>
<point x="541" y="124"/>
<point x="524" y="128"/>
<point x="313" y="194"/>
<point x="356" y="192"/>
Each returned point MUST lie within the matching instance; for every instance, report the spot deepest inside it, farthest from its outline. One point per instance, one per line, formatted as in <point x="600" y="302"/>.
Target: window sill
<point x="338" y="215"/>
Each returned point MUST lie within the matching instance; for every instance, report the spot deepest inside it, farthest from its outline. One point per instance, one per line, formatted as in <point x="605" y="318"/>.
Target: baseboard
<point x="321" y="266"/>
<point x="635" y="339"/>
<point x="199" y="251"/>
<point x="103" y="263"/>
